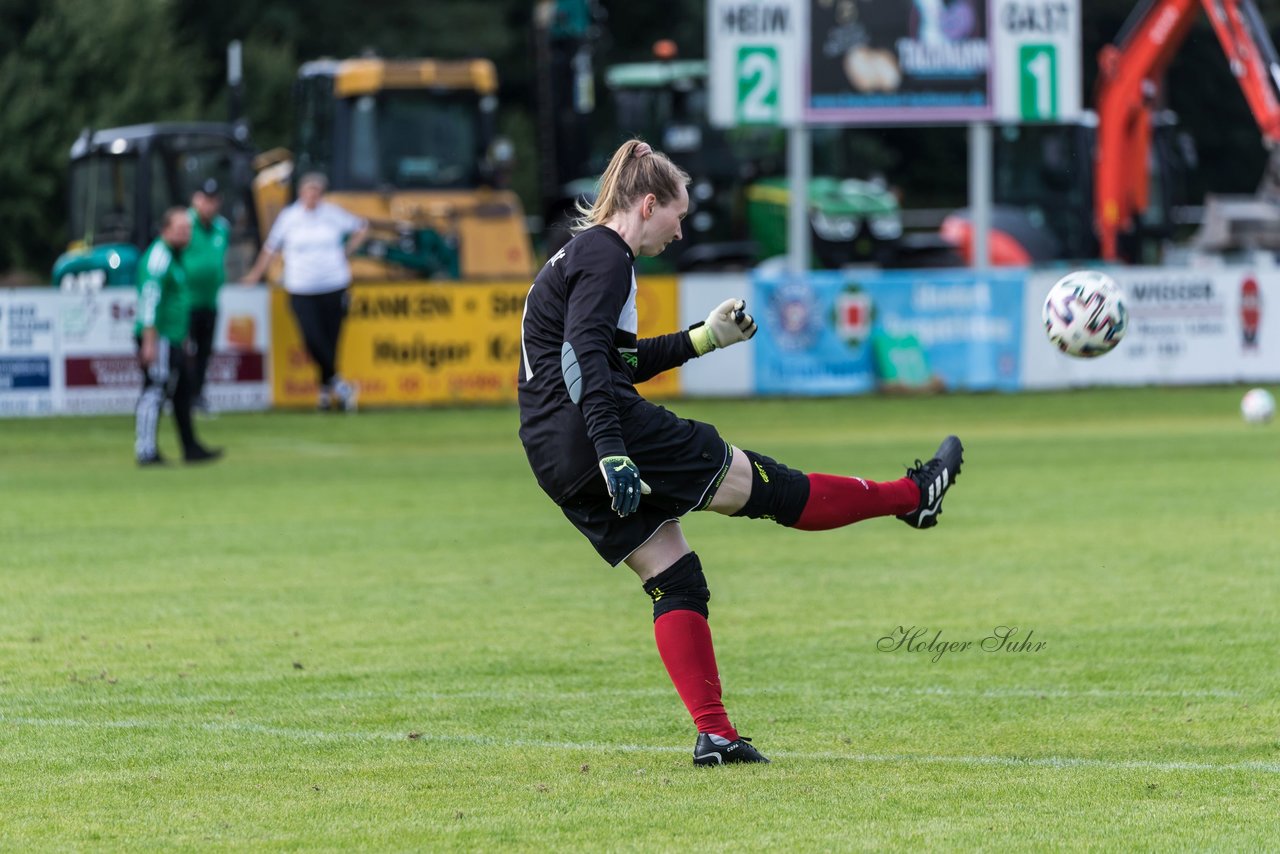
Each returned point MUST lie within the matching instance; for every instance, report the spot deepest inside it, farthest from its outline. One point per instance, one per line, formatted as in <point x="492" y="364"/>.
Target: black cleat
<point x="200" y="454"/>
<point x="706" y="752"/>
<point x="153" y="460"/>
<point x="934" y="479"/>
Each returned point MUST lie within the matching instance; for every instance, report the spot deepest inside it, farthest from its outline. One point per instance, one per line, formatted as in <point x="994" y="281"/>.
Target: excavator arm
<point x="1129" y="78"/>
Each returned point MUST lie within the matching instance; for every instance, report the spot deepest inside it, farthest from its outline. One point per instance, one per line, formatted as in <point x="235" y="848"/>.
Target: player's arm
<point x="728" y="323"/>
<point x="597" y="291"/>
<point x="150" y="290"/>
<point x="271" y="247"/>
<point x="662" y="353"/>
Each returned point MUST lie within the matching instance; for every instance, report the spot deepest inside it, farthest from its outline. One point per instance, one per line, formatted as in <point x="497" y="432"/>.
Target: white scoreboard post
<point x="755" y="61"/>
<point x="1036" y="49"/>
<point x="755" y="65"/>
<point x="1035" y="52"/>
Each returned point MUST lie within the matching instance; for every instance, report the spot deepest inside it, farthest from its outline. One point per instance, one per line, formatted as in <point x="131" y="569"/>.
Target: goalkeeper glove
<point x="727" y="324"/>
<point x="622" y="478"/>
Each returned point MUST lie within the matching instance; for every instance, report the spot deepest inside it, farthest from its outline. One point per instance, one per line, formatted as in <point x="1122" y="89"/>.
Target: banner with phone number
<point x="418" y="343"/>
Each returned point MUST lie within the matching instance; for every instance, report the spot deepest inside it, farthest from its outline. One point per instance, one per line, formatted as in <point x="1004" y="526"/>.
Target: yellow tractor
<point x="409" y="145"/>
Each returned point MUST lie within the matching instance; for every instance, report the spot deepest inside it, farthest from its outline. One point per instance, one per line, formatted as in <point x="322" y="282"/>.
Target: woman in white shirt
<point x="316" y="239"/>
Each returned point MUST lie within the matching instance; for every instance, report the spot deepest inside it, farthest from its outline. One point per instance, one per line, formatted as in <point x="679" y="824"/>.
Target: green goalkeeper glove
<point x="622" y="478"/>
<point x="727" y="324"/>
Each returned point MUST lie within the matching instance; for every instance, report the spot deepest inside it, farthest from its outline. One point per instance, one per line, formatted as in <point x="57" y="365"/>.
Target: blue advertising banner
<point x="816" y="330"/>
<point x="969" y="323"/>
<point x="813" y="337"/>
<point x="31" y="372"/>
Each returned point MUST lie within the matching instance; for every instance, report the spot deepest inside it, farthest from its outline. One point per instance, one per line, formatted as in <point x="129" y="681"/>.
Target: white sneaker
<point x="345" y="394"/>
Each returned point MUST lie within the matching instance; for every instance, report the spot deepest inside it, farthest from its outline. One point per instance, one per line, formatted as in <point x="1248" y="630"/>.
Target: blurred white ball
<point x="1258" y="406"/>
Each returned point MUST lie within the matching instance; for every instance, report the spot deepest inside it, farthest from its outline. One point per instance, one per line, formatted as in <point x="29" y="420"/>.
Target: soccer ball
<point x="1084" y="314"/>
<point x="1258" y="406"/>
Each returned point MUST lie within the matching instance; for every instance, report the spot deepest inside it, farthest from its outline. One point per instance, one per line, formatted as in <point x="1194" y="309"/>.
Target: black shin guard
<point x="679" y="587"/>
<point x="777" y="492"/>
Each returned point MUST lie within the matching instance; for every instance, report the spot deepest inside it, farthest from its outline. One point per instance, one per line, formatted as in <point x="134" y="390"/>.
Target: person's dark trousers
<point x="320" y="318"/>
<point x="167" y="376"/>
<point x="203" y="323"/>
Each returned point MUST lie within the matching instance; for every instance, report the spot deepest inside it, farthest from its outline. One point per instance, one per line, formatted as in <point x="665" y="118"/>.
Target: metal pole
<point x="235" y="88"/>
<point x="798" y="228"/>
<point x="980" y="192"/>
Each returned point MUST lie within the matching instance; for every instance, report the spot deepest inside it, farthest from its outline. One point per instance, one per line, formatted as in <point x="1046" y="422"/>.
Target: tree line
<point x="67" y="65"/>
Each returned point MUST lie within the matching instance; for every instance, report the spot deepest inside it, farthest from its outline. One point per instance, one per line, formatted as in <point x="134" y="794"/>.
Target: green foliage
<point x="367" y="633"/>
<point x="78" y="65"/>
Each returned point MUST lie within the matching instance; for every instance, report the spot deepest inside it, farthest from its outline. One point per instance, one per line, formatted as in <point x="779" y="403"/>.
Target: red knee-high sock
<point x="838" y="501"/>
<point x="684" y="642"/>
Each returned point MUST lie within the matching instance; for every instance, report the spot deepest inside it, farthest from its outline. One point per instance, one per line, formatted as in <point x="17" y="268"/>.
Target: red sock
<point x="838" y="501"/>
<point x="684" y="642"/>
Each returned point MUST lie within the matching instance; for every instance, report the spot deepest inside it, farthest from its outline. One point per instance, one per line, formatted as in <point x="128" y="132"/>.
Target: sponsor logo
<point x="24" y="373"/>
<point x="1250" y="312"/>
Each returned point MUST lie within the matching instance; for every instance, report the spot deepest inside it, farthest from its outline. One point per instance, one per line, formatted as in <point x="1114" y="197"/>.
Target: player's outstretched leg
<point x="680" y="628"/>
<point x="933" y="479"/>
<point x="762" y="488"/>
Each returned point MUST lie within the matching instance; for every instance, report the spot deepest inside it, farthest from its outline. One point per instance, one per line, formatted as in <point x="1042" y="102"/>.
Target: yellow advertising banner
<point x="416" y="343"/>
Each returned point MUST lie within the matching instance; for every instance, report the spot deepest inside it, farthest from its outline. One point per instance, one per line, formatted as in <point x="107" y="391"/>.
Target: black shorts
<point x="682" y="461"/>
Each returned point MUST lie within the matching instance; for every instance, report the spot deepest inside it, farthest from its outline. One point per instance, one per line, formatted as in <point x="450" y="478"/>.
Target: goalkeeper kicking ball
<point x="1258" y="406"/>
<point x="1085" y="315"/>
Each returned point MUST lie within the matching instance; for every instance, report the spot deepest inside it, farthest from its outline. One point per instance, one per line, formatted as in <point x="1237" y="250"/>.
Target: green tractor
<point x="739" y="193"/>
<point x="123" y="179"/>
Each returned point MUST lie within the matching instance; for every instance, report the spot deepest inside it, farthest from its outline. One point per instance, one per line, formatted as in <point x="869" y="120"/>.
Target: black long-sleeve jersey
<point x="581" y="359"/>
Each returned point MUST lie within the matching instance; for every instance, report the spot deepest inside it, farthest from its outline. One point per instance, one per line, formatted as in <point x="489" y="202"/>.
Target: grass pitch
<point x="375" y="632"/>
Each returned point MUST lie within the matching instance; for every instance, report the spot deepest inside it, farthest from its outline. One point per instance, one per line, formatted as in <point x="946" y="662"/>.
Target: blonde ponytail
<point x="634" y="171"/>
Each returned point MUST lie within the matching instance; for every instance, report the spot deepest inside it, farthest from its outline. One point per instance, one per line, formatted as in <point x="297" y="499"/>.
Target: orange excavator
<point x="1108" y="185"/>
<point x="1130" y="74"/>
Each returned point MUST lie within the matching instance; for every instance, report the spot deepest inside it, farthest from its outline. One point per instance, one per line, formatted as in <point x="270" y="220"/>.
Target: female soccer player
<point x="590" y="437"/>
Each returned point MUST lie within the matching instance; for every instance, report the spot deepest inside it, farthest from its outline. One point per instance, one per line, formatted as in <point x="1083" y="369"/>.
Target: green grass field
<point x="375" y="632"/>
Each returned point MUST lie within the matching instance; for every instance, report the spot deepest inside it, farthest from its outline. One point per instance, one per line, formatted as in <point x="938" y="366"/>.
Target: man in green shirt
<point x="160" y="330"/>
<point x="204" y="261"/>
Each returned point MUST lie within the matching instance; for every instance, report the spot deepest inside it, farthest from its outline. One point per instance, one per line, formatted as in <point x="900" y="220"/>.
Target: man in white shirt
<point x="316" y="238"/>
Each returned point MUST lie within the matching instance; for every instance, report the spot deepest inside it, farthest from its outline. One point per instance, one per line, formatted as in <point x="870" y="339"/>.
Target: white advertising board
<point x="724" y="373"/>
<point x="28" y="370"/>
<point x="1185" y="326"/>
<point x="74" y="352"/>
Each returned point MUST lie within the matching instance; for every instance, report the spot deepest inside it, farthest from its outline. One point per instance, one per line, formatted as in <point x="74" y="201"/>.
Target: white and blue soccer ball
<point x="1084" y="314"/>
<point x="1258" y="406"/>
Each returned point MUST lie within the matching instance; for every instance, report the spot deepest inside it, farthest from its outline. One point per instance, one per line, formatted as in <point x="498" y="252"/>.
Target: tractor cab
<point x="122" y="181"/>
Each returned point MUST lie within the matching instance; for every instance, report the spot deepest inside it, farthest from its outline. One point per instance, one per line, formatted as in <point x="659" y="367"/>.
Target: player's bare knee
<point x="777" y="492"/>
<point x="664" y="548"/>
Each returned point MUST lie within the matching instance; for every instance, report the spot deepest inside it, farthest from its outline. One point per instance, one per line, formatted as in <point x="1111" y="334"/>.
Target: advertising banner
<point x="876" y="62"/>
<point x="99" y="358"/>
<point x="1185" y="326"/>
<point x="422" y="343"/>
<point x="817" y="331"/>
<point x="237" y="377"/>
<point x="63" y="352"/>
<point x="724" y="373"/>
<point x="968" y="324"/>
<point x="100" y="361"/>
<point x="814" y="335"/>
<point x="28" y="329"/>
